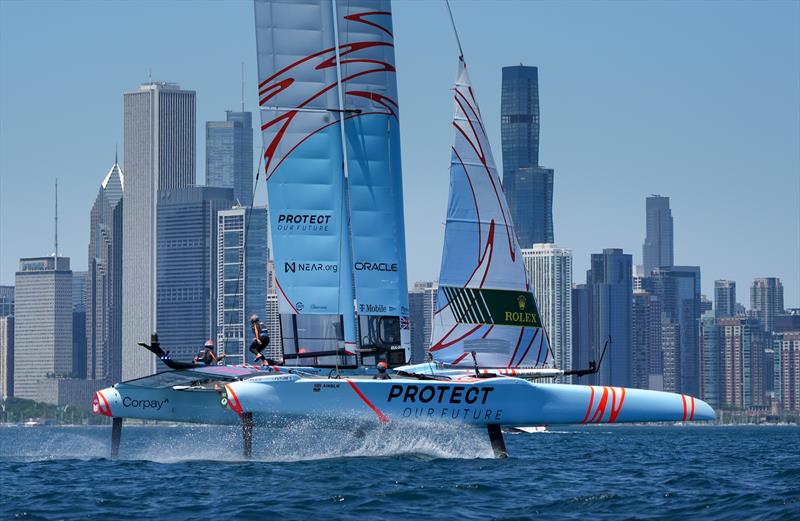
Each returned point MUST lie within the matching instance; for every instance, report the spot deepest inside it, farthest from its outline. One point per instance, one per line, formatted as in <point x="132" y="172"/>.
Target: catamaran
<point x="330" y="127"/>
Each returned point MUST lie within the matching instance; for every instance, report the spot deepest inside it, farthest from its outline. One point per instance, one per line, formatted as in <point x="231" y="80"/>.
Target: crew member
<point x="260" y="339"/>
<point x="382" y="367"/>
<point x="207" y="354"/>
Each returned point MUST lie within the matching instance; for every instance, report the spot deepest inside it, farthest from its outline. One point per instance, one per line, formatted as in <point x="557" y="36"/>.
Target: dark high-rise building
<point x="187" y="266"/>
<point x="610" y="295"/>
<point x="581" y="331"/>
<point x="79" y="279"/>
<point x="646" y="358"/>
<point x="724" y="298"/>
<point x="657" y="250"/>
<point x="711" y="361"/>
<point x="766" y="300"/>
<point x="229" y="155"/>
<point x="528" y="186"/>
<point x="6" y="301"/>
<point x="678" y="287"/>
<point x="6" y="356"/>
<point x="104" y="284"/>
<point x="159" y="149"/>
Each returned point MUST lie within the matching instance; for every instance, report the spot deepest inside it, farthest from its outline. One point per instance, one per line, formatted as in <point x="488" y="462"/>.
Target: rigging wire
<point x="455" y="31"/>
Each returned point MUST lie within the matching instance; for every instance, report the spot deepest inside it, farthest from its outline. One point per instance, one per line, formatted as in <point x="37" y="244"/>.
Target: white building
<point x="242" y="279"/>
<point x="422" y="306"/>
<point x="550" y="273"/>
<point x="159" y="150"/>
<point x="42" y="328"/>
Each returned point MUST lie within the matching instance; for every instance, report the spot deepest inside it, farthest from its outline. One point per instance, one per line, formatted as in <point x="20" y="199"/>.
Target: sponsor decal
<point x="319" y="387"/>
<point x="375" y="266"/>
<point x="144" y="404"/>
<point x="372" y="308"/>
<point x="492" y="306"/>
<point x="303" y="222"/>
<point x="457" y="402"/>
<point x="299" y="306"/>
<point x="453" y="394"/>
<point x="294" y="267"/>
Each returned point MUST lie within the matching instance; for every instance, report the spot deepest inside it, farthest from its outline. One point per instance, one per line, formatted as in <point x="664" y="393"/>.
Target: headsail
<point x="484" y="304"/>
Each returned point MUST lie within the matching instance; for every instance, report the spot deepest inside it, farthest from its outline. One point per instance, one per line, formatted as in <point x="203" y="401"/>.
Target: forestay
<point x="484" y="303"/>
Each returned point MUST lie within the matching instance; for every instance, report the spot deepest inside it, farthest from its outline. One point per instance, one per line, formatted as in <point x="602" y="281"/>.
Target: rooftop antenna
<point x="150" y="74"/>
<point x="242" y="86"/>
<point x="455" y="31"/>
<point x="55" y="254"/>
<point x="116" y="153"/>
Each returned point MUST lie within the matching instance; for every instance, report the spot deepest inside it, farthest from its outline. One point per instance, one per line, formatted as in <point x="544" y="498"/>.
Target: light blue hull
<point x="501" y="400"/>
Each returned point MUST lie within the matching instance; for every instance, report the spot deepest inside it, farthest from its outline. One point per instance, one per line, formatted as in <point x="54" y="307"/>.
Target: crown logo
<point x="521" y="302"/>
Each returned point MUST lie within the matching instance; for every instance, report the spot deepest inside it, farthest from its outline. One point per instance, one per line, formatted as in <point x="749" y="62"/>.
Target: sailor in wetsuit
<point x="260" y="339"/>
<point x="207" y="354"/>
<point x="382" y="367"/>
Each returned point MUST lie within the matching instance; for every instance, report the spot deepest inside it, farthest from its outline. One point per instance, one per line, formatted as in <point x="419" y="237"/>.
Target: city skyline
<point x="730" y="143"/>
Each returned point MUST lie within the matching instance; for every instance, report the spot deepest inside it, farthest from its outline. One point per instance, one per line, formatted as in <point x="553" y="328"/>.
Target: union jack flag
<point x="404" y="323"/>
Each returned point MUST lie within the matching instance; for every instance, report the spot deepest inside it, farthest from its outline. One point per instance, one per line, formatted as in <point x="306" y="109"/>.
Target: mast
<point x="346" y="290"/>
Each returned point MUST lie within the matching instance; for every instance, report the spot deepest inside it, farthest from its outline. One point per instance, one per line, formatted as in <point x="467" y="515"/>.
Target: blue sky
<point x="699" y="101"/>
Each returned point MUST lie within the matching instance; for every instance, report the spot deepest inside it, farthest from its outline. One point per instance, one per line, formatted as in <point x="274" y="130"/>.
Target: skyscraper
<point x="678" y="287"/>
<point x="711" y="361"/>
<point x="229" y="155"/>
<point x="787" y="369"/>
<point x="104" y="284"/>
<point x="6" y="356"/>
<point x="657" y="250"/>
<point x="6" y="300"/>
<point x="743" y="354"/>
<point x="421" y="306"/>
<point x="766" y="300"/>
<point x="42" y="327"/>
<point x="582" y="331"/>
<point x="528" y="186"/>
<point x="647" y="369"/>
<point x="241" y="279"/>
<point x="159" y="147"/>
<point x="724" y="298"/>
<point x="79" y="279"/>
<point x="187" y="266"/>
<point x="608" y="283"/>
<point x="550" y="273"/>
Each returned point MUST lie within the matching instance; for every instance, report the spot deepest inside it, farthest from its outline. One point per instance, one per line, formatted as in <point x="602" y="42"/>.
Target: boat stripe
<point x="683" y="399"/>
<point x="591" y="402"/>
<point x="382" y="417"/>
<point x="691" y="418"/>
<point x="234" y="404"/>
<point x="107" y="412"/>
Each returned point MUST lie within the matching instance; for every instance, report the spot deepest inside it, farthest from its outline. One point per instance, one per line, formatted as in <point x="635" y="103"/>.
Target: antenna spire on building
<point x="116" y="153"/>
<point x="55" y="254"/>
<point x="242" y="86"/>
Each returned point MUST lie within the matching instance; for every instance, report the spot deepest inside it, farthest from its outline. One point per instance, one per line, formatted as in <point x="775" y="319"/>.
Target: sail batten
<point x="484" y="303"/>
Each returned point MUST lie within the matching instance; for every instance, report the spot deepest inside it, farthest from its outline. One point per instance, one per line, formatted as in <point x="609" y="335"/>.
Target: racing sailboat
<point x="329" y="122"/>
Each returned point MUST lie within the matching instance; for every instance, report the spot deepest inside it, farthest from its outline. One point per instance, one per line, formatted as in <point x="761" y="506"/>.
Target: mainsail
<point x="328" y="99"/>
<point x="484" y="303"/>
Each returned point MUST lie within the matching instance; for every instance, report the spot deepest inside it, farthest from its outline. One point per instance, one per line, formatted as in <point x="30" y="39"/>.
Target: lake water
<point x="197" y="473"/>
